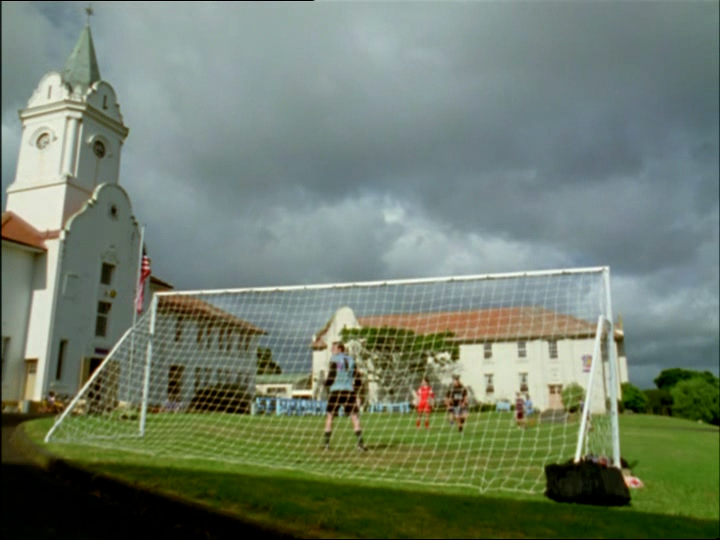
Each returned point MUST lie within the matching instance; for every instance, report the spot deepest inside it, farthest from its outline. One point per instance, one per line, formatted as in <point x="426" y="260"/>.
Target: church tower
<point x="71" y="244"/>
<point x="71" y="141"/>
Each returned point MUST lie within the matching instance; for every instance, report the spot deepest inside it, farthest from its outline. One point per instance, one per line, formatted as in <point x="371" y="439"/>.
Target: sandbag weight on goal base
<point x="586" y="482"/>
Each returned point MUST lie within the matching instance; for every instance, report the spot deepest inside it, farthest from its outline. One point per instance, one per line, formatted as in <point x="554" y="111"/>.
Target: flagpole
<point x="134" y="306"/>
<point x="137" y="276"/>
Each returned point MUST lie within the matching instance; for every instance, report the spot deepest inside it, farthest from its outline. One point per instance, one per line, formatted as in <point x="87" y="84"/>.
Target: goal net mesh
<point x="239" y="376"/>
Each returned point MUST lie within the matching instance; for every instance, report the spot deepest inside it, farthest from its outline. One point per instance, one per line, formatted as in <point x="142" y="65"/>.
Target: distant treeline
<point x="680" y="392"/>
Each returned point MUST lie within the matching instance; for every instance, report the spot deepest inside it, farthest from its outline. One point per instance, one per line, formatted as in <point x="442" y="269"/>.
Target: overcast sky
<point x="290" y="144"/>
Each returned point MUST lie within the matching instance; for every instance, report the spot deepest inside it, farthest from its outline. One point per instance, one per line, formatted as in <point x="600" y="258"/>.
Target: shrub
<point x="633" y="399"/>
<point x="697" y="399"/>
<point x="660" y="402"/>
<point x="572" y="397"/>
<point x="229" y="398"/>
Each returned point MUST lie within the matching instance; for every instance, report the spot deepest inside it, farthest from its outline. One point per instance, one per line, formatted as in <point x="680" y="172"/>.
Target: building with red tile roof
<point x="505" y="350"/>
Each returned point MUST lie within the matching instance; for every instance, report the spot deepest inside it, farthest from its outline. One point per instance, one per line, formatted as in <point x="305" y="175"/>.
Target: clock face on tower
<point x="99" y="149"/>
<point x="42" y="141"/>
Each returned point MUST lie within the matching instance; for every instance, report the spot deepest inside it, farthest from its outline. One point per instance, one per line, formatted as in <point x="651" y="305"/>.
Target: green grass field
<point x="676" y="459"/>
<point x="491" y="454"/>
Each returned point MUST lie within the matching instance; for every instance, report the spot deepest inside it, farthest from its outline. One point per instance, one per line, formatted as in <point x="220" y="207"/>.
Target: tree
<point x="659" y="402"/>
<point x="634" y="399"/>
<point x="697" y="399"/>
<point x="395" y="359"/>
<point x="265" y="363"/>
<point x="668" y="378"/>
<point x="572" y="397"/>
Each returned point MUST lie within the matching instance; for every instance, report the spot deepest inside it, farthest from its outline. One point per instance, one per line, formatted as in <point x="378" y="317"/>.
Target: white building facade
<point x="197" y="346"/>
<point x="533" y="357"/>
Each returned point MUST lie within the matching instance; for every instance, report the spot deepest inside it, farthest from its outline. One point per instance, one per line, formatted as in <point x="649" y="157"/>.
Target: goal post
<point x="614" y="372"/>
<point x="242" y="376"/>
<point x="148" y="367"/>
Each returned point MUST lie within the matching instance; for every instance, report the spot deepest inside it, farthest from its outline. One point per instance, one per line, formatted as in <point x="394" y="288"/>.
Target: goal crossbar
<point x="415" y="281"/>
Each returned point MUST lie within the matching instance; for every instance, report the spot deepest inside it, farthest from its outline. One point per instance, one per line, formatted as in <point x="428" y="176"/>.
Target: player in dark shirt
<point x="519" y="410"/>
<point x="457" y="402"/>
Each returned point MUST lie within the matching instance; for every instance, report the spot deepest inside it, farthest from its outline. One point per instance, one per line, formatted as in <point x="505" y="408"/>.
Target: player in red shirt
<point x="425" y="400"/>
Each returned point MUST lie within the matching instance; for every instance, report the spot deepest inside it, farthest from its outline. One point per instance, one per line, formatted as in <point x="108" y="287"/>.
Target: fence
<point x="313" y="407"/>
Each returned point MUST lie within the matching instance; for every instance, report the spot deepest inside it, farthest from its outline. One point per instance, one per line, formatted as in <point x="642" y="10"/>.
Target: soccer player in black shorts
<point x="457" y="402"/>
<point x="343" y="393"/>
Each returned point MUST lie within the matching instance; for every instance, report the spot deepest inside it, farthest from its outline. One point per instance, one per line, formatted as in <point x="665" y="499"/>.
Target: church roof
<point x="160" y="284"/>
<point x="19" y="231"/>
<point x="196" y="308"/>
<point x="81" y="69"/>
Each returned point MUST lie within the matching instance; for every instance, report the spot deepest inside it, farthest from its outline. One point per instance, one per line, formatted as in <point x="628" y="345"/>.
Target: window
<point x="106" y="274"/>
<point x="522" y="351"/>
<point x="224" y="375"/>
<point x="243" y="343"/>
<point x="61" y="359"/>
<point x="553" y="348"/>
<point x="489" y="387"/>
<point x="198" y="378"/>
<point x="209" y="335"/>
<point x="175" y="377"/>
<point x="70" y="285"/>
<point x="101" y="322"/>
<point x="178" y="328"/>
<point x="5" y="346"/>
<point x="523" y="382"/>
<point x="200" y="333"/>
<point x="487" y="350"/>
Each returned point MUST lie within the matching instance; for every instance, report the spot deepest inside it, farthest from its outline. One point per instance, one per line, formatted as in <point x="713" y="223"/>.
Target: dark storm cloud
<point x="452" y="105"/>
<point x="285" y="144"/>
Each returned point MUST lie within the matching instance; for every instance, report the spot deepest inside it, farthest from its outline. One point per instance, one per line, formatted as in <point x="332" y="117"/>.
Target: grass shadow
<point x="309" y="508"/>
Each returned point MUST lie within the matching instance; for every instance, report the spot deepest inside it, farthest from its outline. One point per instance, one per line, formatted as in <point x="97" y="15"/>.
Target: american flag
<point x="144" y="274"/>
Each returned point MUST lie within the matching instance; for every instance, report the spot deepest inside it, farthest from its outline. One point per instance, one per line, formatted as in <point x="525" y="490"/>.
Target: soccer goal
<point x="240" y="376"/>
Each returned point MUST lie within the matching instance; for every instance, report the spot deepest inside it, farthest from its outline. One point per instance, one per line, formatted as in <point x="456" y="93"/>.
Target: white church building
<point x="71" y="248"/>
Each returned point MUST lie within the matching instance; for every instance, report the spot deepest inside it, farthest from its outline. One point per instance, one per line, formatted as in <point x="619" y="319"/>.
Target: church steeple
<point x="72" y="139"/>
<point x="81" y="69"/>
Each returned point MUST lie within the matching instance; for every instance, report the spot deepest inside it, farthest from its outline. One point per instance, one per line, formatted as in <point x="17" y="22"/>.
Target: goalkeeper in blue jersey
<point x="342" y="382"/>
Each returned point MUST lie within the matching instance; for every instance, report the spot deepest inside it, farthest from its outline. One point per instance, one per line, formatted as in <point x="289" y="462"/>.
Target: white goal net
<point x="240" y="376"/>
